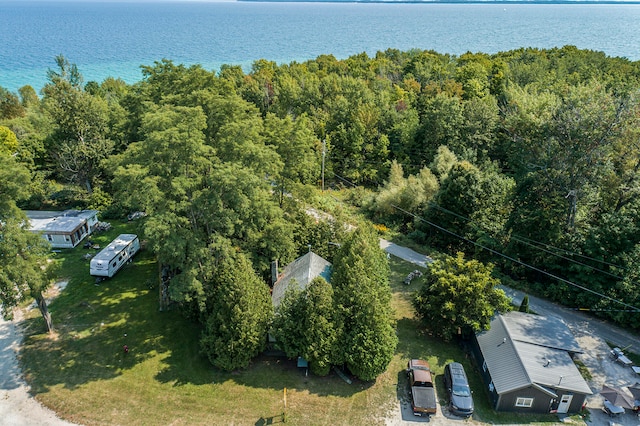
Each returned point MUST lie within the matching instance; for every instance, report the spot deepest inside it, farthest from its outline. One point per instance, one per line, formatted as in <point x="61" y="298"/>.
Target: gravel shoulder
<point x="17" y="406"/>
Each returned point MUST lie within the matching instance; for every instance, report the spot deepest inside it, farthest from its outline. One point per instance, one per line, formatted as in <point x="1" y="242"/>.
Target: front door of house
<point x="565" y="402"/>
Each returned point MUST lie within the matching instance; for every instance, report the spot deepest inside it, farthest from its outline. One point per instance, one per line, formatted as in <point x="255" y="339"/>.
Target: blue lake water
<point x="115" y="38"/>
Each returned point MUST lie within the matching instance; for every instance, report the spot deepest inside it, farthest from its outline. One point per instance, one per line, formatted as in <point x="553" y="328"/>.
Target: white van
<point x="110" y="259"/>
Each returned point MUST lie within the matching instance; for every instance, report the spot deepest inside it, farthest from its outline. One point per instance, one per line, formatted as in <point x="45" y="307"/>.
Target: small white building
<point x="63" y="229"/>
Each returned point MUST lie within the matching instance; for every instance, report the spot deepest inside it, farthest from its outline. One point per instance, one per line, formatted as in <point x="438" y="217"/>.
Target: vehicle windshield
<point x="461" y="391"/>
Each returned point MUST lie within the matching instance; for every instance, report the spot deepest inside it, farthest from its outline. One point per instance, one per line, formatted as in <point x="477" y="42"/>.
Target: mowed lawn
<point x="84" y="375"/>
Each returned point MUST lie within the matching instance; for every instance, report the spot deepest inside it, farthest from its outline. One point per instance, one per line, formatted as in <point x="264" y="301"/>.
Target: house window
<point x="524" y="402"/>
<point x="484" y="366"/>
<point x="491" y="387"/>
<point x="49" y="237"/>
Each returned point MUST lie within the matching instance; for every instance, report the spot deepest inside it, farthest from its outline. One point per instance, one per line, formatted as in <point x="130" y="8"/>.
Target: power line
<point x="566" y="258"/>
<point x="604" y="262"/>
<point x="604" y="296"/>
<point x="534" y="268"/>
<point x="345" y="180"/>
<point x="519" y="237"/>
<point x="602" y="310"/>
<point x="522" y="240"/>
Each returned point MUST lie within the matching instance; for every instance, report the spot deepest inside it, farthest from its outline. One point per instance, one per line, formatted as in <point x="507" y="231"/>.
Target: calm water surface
<point x="114" y="39"/>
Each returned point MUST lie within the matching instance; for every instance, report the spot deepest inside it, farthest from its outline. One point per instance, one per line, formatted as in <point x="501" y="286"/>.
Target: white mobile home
<point x="63" y="229"/>
<point x="110" y="259"/>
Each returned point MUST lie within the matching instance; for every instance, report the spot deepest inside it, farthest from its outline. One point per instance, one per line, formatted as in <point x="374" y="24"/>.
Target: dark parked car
<point x="455" y="380"/>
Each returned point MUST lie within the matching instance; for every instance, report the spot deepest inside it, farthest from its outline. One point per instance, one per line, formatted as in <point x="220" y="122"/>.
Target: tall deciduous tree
<point x="355" y="144"/>
<point x="298" y="149"/>
<point x="459" y="296"/>
<point x="8" y="141"/>
<point x="161" y="172"/>
<point x="28" y="96"/>
<point x="10" y="105"/>
<point x="79" y="142"/>
<point x="24" y="270"/>
<point x="366" y="330"/>
<point x="566" y="139"/>
<point x="408" y="194"/>
<point x="471" y="203"/>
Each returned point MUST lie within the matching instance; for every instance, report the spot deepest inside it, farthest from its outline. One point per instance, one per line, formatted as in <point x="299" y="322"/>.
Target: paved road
<point x="405" y="253"/>
<point x="574" y="319"/>
<point x="579" y="320"/>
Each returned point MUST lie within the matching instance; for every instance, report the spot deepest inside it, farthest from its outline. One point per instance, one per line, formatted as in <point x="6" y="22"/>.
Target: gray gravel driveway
<point x="17" y="406"/>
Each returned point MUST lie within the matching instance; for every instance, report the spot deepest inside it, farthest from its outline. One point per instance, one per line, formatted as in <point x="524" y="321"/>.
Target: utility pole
<point x="324" y="152"/>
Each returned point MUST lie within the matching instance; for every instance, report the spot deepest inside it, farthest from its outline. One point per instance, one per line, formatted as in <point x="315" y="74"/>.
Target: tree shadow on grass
<point x="264" y="372"/>
<point x="93" y="324"/>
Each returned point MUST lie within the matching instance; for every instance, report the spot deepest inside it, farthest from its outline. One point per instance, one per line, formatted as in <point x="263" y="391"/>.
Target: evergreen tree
<point x="304" y="324"/>
<point x="366" y="330"/>
<point x="236" y="329"/>
<point x="320" y="326"/>
<point x="289" y="323"/>
<point x="524" y="306"/>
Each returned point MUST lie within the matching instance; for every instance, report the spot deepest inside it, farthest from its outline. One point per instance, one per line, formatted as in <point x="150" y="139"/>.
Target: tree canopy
<point x="24" y="269"/>
<point x="530" y="154"/>
<point x="459" y="297"/>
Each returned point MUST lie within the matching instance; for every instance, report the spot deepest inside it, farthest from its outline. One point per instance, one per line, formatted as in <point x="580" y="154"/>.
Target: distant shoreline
<point x="580" y="2"/>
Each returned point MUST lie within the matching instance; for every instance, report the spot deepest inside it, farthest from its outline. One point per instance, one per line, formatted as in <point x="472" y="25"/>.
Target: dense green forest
<point x="527" y="159"/>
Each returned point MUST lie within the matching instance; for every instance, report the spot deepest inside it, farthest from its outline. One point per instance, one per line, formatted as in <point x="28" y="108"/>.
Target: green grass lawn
<point x="84" y="375"/>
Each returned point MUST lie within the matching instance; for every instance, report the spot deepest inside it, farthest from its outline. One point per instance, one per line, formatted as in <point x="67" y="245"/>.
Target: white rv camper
<point x="110" y="259"/>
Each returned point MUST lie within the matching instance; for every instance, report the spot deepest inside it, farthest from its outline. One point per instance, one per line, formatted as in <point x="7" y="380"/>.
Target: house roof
<point x="550" y="332"/>
<point x="301" y="272"/>
<point x="521" y="350"/>
<point x="57" y="221"/>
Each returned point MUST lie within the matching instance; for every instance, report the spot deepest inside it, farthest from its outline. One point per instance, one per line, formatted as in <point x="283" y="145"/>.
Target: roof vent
<point x="546" y="364"/>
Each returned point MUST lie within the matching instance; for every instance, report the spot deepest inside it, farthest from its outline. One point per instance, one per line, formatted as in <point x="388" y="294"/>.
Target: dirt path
<point x="17" y="406"/>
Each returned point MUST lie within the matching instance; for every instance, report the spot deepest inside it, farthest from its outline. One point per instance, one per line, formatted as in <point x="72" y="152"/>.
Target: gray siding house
<point x="526" y="362"/>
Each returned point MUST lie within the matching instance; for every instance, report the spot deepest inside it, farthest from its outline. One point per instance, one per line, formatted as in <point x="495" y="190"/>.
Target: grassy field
<point x="84" y="375"/>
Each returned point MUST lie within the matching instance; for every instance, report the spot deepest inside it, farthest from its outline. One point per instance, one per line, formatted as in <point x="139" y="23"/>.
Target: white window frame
<point x="484" y="366"/>
<point x="524" y="402"/>
<point x="491" y="387"/>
